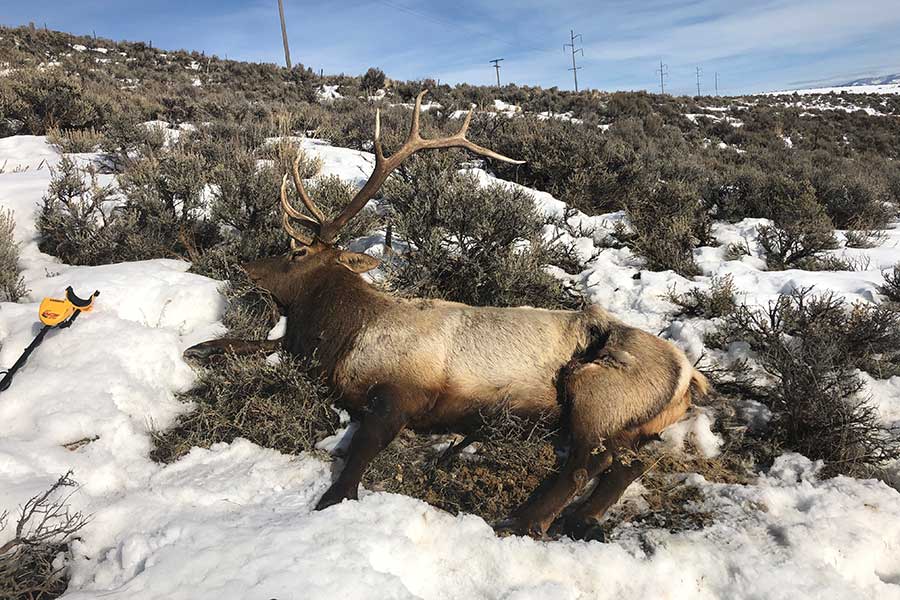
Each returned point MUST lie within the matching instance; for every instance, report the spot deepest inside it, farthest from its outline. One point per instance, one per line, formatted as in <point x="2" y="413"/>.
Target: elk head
<point x="314" y="249"/>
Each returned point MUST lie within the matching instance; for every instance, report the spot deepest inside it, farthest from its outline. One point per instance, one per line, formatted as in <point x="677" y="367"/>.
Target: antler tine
<point x="465" y="126"/>
<point x="414" y="127"/>
<point x="379" y="151"/>
<point x="384" y="166"/>
<point x="301" y="191"/>
<point x="289" y="212"/>
<point x="296" y="236"/>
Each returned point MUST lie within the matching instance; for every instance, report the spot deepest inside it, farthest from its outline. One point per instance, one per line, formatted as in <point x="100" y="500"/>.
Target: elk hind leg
<point x="536" y="516"/>
<point x="389" y="409"/>
<point x="584" y="521"/>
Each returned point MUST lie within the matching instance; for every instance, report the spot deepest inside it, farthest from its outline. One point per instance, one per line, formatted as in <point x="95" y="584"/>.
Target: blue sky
<point x="754" y="45"/>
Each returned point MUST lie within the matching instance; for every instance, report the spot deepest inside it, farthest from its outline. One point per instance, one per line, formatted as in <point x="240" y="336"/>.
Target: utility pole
<point x="575" y="50"/>
<point x="287" y="51"/>
<point x="717" y="83"/>
<point x="699" y="73"/>
<point x="663" y="71"/>
<point x="496" y="63"/>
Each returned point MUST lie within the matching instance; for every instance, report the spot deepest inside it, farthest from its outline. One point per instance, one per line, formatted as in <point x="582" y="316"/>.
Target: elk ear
<point x="356" y="262"/>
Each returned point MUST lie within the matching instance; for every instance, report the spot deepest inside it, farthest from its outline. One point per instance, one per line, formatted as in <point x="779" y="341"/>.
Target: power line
<point x="663" y="71"/>
<point x="699" y="73"/>
<point x="496" y="62"/>
<point x="575" y="68"/>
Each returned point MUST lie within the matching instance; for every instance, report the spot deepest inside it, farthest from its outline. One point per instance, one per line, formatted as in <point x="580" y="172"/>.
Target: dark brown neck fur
<point x="329" y="307"/>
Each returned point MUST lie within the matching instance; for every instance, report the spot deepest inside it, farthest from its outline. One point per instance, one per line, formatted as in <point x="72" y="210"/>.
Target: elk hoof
<point x="332" y="497"/>
<point x="588" y="530"/>
<point x="514" y="526"/>
<point x="203" y="351"/>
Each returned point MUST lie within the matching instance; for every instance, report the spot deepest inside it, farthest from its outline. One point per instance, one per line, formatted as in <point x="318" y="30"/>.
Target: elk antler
<point x="325" y="230"/>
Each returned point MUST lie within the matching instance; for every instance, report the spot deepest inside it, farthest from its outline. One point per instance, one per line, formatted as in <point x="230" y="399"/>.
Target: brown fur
<point x="430" y="363"/>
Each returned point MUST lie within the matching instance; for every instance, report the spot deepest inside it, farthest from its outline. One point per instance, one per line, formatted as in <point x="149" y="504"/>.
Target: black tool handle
<point x="7" y="379"/>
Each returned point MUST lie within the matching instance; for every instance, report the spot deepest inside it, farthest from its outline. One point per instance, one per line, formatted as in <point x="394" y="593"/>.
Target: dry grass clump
<point x="277" y="405"/>
<point x="32" y="563"/>
<point x="514" y="456"/>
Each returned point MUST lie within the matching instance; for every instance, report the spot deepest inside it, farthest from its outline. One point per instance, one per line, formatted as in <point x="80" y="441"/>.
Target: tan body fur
<point x="442" y="364"/>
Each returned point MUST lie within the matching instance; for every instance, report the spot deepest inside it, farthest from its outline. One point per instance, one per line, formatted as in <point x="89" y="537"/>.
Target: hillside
<point x="759" y="234"/>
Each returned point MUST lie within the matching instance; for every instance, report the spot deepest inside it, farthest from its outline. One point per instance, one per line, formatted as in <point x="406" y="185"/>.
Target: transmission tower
<point x="496" y="63"/>
<point x="663" y="71"/>
<point x="287" y="51"/>
<point x="575" y="50"/>
<point x="699" y="73"/>
<point x="717" y="83"/>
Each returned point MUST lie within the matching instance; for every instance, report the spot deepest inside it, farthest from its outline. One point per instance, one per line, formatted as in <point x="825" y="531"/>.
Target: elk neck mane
<point x="329" y="307"/>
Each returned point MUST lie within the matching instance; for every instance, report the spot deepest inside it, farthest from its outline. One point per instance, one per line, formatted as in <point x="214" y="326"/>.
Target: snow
<point x="694" y="117"/>
<point x="236" y="520"/>
<point x="892" y="88"/>
<point x="328" y="93"/>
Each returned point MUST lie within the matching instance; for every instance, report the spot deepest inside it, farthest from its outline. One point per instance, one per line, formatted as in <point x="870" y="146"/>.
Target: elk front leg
<point x="211" y="348"/>
<point x="388" y="410"/>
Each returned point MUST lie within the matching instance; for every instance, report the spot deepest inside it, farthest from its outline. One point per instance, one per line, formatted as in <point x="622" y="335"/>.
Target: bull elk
<point x="429" y="364"/>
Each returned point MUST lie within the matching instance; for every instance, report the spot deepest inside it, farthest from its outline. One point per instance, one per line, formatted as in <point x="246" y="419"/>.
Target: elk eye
<point x="298" y="253"/>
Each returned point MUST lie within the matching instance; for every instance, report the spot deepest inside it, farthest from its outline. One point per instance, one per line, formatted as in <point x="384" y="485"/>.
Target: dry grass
<point x="274" y="404"/>
<point x="514" y="456"/>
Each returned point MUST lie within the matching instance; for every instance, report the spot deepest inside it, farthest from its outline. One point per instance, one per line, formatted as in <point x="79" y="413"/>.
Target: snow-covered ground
<point x="235" y="521"/>
<point x="890" y="88"/>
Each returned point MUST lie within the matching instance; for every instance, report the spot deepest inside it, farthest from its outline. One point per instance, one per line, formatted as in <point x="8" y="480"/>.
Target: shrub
<point x="864" y="238"/>
<point x="75" y="140"/>
<point x="577" y="164"/>
<point x="801" y="232"/>
<point x="125" y="141"/>
<point x="165" y="199"/>
<point x="854" y="199"/>
<point x="891" y="286"/>
<point x="718" y="301"/>
<point x="245" y="205"/>
<point x="481" y="246"/>
<point x="667" y="224"/>
<point x="44" y="99"/>
<point x="274" y="404"/>
<point x="12" y="286"/>
<point x="76" y="222"/>
<point x="812" y="346"/>
<point x="373" y="79"/>
<point x="29" y="563"/>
